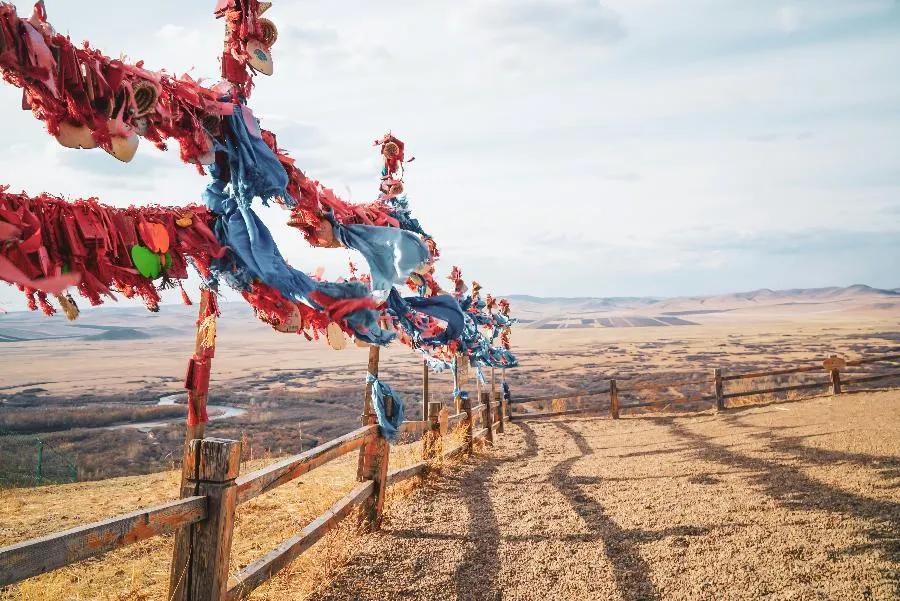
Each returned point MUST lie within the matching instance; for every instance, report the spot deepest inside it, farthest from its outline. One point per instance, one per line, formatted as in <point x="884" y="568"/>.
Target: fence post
<point x="425" y="399"/>
<point x="613" y="400"/>
<point x="39" y="468"/>
<point x="429" y="445"/>
<point x="466" y="405"/>
<point x="720" y="390"/>
<point x="488" y="416"/>
<point x="835" y="381"/>
<point x="456" y="398"/>
<point x="494" y="399"/>
<point x="199" y="368"/>
<point x="200" y="560"/>
<point x="373" y="456"/>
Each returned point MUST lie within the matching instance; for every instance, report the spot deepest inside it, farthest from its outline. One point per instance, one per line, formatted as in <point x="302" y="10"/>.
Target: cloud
<point x="788" y="18"/>
<point x="309" y="35"/>
<point x="780" y="137"/>
<point x="568" y="21"/>
<point x="814" y="241"/>
<point x="628" y="177"/>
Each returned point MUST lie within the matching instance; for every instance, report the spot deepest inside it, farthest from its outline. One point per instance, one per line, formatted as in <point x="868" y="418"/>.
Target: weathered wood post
<point x="200" y="560"/>
<point x="720" y="389"/>
<point x="466" y="406"/>
<point x="430" y="443"/>
<point x="373" y="456"/>
<point x="199" y="368"/>
<point x="494" y="399"/>
<point x="488" y="420"/>
<point x="835" y="364"/>
<point x="613" y="400"/>
<point x="457" y="402"/>
<point x="425" y="399"/>
<point x="504" y="408"/>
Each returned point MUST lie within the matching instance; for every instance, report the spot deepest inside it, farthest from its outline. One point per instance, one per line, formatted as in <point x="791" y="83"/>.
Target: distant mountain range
<point x="134" y="322"/>
<point x="538" y="312"/>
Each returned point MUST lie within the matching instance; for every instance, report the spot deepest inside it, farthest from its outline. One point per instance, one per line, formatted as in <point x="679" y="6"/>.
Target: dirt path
<point x="794" y="501"/>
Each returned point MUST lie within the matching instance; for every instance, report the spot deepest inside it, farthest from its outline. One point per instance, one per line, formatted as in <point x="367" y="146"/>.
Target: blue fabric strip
<point x="392" y="253"/>
<point x="390" y="428"/>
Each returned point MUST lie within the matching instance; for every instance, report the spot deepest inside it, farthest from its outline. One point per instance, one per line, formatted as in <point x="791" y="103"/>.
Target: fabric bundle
<point x="390" y="426"/>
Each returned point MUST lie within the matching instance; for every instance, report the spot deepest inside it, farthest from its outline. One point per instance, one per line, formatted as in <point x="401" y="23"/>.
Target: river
<point x="216" y="412"/>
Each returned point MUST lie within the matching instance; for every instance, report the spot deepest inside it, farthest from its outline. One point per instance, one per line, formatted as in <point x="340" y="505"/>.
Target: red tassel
<point x="184" y="297"/>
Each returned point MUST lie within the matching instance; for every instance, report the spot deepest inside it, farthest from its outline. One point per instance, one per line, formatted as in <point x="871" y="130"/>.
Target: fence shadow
<point x="630" y="570"/>
<point x="476" y="576"/>
<point x="886" y="466"/>
<point x="794" y="490"/>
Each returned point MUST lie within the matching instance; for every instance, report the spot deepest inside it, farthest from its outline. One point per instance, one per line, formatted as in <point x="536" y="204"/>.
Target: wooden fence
<point x="717" y="393"/>
<point x="212" y="487"/>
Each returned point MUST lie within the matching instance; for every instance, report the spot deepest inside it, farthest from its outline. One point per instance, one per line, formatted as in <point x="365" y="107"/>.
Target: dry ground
<point x="789" y="501"/>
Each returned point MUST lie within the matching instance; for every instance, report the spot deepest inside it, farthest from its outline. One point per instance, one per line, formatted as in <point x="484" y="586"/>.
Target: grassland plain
<point x="290" y="387"/>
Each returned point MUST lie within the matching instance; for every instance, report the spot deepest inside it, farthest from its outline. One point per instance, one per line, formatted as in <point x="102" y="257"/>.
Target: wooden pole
<point x="373" y="456"/>
<point x="835" y="381"/>
<point x="430" y="446"/>
<point x="720" y="390"/>
<point x="199" y="369"/>
<point x="507" y="412"/>
<point x="466" y="406"/>
<point x="200" y="560"/>
<point x="425" y="397"/>
<point x="488" y="421"/>
<point x="613" y="400"/>
<point x="494" y="399"/>
<point x="456" y="398"/>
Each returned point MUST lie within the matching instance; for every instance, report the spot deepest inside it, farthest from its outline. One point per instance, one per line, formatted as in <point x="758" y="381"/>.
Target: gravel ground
<point x="790" y="501"/>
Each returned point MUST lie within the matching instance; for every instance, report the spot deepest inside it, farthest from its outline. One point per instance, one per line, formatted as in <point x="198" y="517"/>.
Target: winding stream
<point x="221" y="412"/>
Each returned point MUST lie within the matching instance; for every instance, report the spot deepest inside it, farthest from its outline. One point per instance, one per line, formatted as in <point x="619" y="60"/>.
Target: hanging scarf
<point x="390" y="427"/>
<point x="392" y="253"/>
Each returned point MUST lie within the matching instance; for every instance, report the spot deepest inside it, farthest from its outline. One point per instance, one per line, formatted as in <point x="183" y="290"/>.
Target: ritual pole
<point x="425" y="399"/>
<point x="198" y="371"/>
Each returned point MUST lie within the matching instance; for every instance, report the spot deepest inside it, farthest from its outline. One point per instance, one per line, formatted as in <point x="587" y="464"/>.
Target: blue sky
<point x="564" y="147"/>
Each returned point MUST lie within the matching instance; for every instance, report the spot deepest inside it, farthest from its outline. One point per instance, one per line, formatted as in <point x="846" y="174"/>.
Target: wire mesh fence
<point x="26" y="460"/>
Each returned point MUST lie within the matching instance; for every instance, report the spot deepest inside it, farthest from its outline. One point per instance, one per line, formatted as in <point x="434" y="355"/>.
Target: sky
<point x="563" y="147"/>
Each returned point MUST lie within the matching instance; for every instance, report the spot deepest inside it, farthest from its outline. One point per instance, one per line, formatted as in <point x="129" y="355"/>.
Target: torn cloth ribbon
<point x="442" y="307"/>
<point x="392" y="253"/>
<point x="253" y="171"/>
<point x="390" y="426"/>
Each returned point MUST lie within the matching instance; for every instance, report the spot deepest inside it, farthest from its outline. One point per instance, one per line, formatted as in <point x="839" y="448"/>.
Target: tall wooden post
<point x="373" y="456"/>
<point x="507" y="411"/>
<point x="199" y="368"/>
<point x="425" y="399"/>
<point x="494" y="399"/>
<point x="466" y="406"/>
<point x="200" y="560"/>
<point x="613" y="400"/>
<point x="429" y="445"/>
<point x="488" y="416"/>
<point x="456" y="398"/>
<point x="720" y="390"/>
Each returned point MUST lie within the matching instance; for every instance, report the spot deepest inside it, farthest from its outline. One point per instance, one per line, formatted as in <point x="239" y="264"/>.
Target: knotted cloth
<point x="390" y="427"/>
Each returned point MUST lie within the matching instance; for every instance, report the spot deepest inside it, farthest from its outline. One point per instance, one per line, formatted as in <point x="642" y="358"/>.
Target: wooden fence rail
<point x="717" y="396"/>
<point x="47" y="553"/>
<point x="212" y="488"/>
<point x="268" y="478"/>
